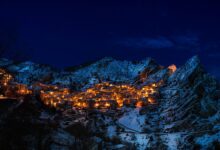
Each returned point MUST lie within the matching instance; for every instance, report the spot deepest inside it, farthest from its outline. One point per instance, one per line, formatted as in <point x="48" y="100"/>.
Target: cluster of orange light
<point x="22" y="89"/>
<point x="172" y="68"/>
<point x="102" y="95"/>
<point x="55" y="97"/>
<point x="10" y="88"/>
<point x="5" y="77"/>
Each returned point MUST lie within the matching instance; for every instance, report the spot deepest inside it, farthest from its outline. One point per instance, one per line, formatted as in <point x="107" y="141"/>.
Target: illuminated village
<point x="103" y="95"/>
<point x="100" y="96"/>
<point x="100" y="105"/>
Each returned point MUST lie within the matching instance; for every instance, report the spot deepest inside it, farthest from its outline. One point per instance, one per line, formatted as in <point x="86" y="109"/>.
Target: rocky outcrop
<point x="188" y="103"/>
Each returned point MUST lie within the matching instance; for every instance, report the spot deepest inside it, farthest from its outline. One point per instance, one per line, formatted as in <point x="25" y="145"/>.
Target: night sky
<point x="66" y="33"/>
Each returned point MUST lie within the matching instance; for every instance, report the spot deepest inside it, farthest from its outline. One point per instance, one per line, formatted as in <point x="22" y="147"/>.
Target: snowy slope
<point x="132" y="120"/>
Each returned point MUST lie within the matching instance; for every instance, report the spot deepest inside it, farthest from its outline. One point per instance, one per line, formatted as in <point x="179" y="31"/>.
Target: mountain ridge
<point x="185" y="116"/>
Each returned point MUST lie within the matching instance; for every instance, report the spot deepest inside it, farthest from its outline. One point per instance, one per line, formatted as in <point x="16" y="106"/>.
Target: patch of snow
<point x="117" y="147"/>
<point x="171" y="140"/>
<point x="206" y="139"/>
<point x="61" y="137"/>
<point x="133" y="120"/>
<point x="110" y="69"/>
<point x="28" y="72"/>
<point x="216" y="127"/>
<point x="111" y="131"/>
<point x="215" y="117"/>
<point x="5" y="62"/>
<point x="169" y="126"/>
<point x="140" y="140"/>
<point x="26" y="68"/>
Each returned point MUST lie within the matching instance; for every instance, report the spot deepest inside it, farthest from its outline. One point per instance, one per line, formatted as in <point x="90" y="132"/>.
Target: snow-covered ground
<point x="207" y="140"/>
<point x="141" y="141"/>
<point x="111" y="131"/>
<point x="171" y="140"/>
<point x="132" y="120"/>
<point x="115" y="70"/>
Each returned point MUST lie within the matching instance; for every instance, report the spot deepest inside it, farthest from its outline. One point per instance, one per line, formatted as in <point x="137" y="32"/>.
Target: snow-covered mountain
<point x="186" y="115"/>
<point x="106" y="69"/>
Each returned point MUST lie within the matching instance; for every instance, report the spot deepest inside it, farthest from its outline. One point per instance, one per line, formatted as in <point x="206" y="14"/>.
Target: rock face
<point x="189" y="103"/>
<point x="186" y="116"/>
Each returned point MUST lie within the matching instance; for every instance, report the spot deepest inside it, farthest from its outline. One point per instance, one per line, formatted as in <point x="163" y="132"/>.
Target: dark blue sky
<point x="65" y="33"/>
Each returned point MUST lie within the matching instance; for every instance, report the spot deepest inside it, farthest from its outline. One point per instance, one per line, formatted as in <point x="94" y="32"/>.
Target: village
<point x="103" y="95"/>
